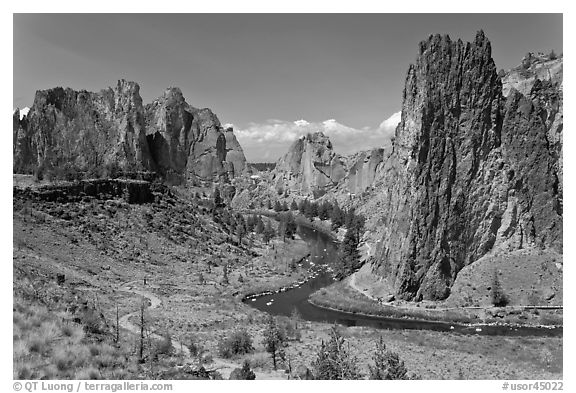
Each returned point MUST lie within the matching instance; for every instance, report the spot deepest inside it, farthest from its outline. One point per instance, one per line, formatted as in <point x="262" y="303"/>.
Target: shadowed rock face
<point x="92" y="130"/>
<point x="310" y="165"/>
<point x="470" y="170"/>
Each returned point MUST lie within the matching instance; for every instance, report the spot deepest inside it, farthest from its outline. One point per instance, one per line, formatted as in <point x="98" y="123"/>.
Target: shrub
<point x="499" y="299"/>
<point x="37" y="345"/>
<point x="89" y="373"/>
<point x="274" y="339"/>
<point x="333" y="360"/>
<point x="244" y="373"/>
<point x="92" y="322"/>
<point x="387" y="364"/>
<point x="164" y="346"/>
<point x="238" y="343"/>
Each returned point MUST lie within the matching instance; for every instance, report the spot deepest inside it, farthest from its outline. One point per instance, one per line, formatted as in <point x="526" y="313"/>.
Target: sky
<point x="273" y="77"/>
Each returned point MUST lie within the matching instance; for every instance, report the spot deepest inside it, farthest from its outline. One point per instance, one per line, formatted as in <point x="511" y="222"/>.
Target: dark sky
<point x="255" y="68"/>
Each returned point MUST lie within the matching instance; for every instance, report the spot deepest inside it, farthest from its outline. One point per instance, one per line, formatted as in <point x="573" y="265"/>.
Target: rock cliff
<point x="84" y="129"/>
<point x="470" y="172"/>
<point x="89" y="130"/>
<point x="310" y="166"/>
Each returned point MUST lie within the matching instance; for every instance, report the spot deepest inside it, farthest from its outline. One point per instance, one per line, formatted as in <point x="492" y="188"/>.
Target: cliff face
<point x="92" y="130"/>
<point x="532" y="68"/>
<point x="310" y="166"/>
<point x="85" y="129"/>
<point x="190" y="143"/>
<point x="362" y="170"/>
<point x="470" y="170"/>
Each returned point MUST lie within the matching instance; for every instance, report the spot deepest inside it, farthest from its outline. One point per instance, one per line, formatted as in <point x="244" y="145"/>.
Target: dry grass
<point x="51" y="346"/>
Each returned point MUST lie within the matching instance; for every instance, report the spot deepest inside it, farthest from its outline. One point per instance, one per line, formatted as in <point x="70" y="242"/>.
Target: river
<point x="322" y="254"/>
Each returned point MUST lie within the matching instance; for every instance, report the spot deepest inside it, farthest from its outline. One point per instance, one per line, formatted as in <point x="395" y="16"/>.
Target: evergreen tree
<point x="349" y="218"/>
<point x="348" y="255"/>
<point x="337" y="217"/>
<point x="387" y="364"/>
<point x="259" y="225"/>
<point x="274" y="340"/>
<point x="499" y="299"/>
<point x="293" y="205"/>
<point x="240" y="231"/>
<point x="217" y="198"/>
<point x="291" y="226"/>
<point x="269" y="204"/>
<point x="277" y="207"/>
<point x="244" y="373"/>
<point x="333" y="360"/>
<point x="310" y="210"/>
<point x="302" y="206"/>
<point x="269" y="232"/>
<point x="358" y="225"/>
<point x="329" y="208"/>
<point x="323" y="211"/>
<point x="285" y="206"/>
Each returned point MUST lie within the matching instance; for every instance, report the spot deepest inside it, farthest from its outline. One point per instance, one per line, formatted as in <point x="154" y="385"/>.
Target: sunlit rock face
<point x="89" y="130"/>
<point x="190" y="143"/>
<point x="310" y="166"/>
<point x="85" y="129"/>
<point x="470" y="171"/>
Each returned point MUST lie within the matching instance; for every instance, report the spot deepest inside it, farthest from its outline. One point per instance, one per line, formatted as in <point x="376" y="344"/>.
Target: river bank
<point x="341" y="296"/>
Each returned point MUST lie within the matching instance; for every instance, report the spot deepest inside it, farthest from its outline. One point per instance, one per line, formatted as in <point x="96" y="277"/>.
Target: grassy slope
<point x="99" y="245"/>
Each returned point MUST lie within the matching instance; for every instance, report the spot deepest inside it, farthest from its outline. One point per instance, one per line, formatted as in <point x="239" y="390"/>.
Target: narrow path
<point x="352" y="284"/>
<point x="224" y="367"/>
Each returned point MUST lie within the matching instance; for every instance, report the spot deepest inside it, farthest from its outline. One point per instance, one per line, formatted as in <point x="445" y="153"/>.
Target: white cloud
<point x="301" y="123"/>
<point x="269" y="140"/>
<point x="392" y="121"/>
<point x="23" y="112"/>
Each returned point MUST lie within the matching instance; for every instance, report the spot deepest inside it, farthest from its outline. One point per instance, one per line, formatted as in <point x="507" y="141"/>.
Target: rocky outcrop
<point x="310" y="166"/>
<point x="362" y="170"/>
<point x="88" y="130"/>
<point x="168" y="131"/>
<point x="84" y="129"/>
<point x="190" y="143"/>
<point x="21" y="145"/>
<point x="132" y="191"/>
<point x="532" y="68"/>
<point x="470" y="171"/>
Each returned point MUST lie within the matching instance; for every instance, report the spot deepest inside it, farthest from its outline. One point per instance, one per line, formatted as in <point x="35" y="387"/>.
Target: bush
<point x="164" y="346"/>
<point x="387" y="364"/>
<point x="552" y="55"/>
<point x="243" y="373"/>
<point x="333" y="360"/>
<point x="499" y="298"/>
<point x="238" y="343"/>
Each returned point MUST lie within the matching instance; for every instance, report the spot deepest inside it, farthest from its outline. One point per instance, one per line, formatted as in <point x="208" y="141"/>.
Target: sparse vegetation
<point x="274" y="341"/>
<point x="244" y="373"/>
<point x="238" y="343"/>
<point x="387" y="364"/>
<point x="334" y="360"/>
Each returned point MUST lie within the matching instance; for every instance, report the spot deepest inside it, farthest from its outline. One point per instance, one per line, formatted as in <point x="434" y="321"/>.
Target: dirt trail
<point x="223" y="366"/>
<point x="352" y="284"/>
